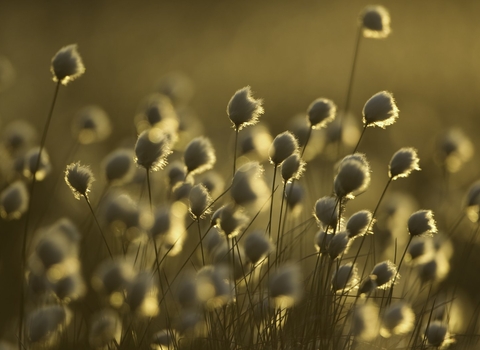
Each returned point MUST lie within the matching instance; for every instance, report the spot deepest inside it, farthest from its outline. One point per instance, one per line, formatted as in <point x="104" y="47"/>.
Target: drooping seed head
<point x="257" y="246"/>
<point x="46" y="323"/>
<point x="79" y="178"/>
<point x="67" y="65"/>
<point x="384" y="273"/>
<point x="422" y="223"/>
<point x="380" y="110"/>
<point x="375" y="22"/>
<point x="365" y="323"/>
<point x="403" y="162"/>
<point x="283" y="146"/>
<point x="105" y="328"/>
<point x="244" y="110"/>
<point x="119" y="166"/>
<point x="285" y="286"/>
<point x="358" y="224"/>
<point x="14" y="201"/>
<point x="199" y="156"/>
<point x="199" y="200"/>
<point x="353" y="176"/>
<point x="321" y="112"/>
<point x="30" y="163"/>
<point x="91" y="124"/>
<point x="293" y="167"/>
<point x="152" y="149"/>
<point x="345" y="278"/>
<point x="248" y="185"/>
<point x="398" y="319"/>
<point x="338" y="244"/>
<point x="326" y="211"/>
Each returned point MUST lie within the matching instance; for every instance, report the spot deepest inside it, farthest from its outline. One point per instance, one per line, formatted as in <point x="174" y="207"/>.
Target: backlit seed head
<point x="454" y="149"/>
<point x="121" y="212"/>
<point x="398" y="319"/>
<point x="199" y="156"/>
<point x="368" y="285"/>
<point x="422" y="223"/>
<point x="46" y="323"/>
<point x="403" y="162"/>
<point x="181" y="191"/>
<point x="384" y="273"/>
<point x="345" y="278"/>
<point x="353" y="176"/>
<point x="380" y="110"/>
<point x="91" y="124"/>
<point x="79" y="178"/>
<point x="322" y="241"/>
<point x="437" y="334"/>
<point x="152" y="149"/>
<point x="257" y="246"/>
<point x="105" y="327"/>
<point x="176" y="173"/>
<point x="338" y="244"/>
<point x="30" y="163"/>
<point x="199" y="200"/>
<point x="283" y="146"/>
<point x="231" y="220"/>
<point x="375" y="21"/>
<point x="358" y="224"/>
<point x="294" y="194"/>
<point x="293" y="167"/>
<point x="326" y="211"/>
<point x="67" y="65"/>
<point x="321" y="112"/>
<point x="285" y="286"/>
<point x="213" y="182"/>
<point x="142" y="295"/>
<point x="248" y="185"/>
<point x="119" y="166"/>
<point x="365" y="323"/>
<point x="14" y="201"/>
<point x="244" y="110"/>
<point x="420" y="250"/>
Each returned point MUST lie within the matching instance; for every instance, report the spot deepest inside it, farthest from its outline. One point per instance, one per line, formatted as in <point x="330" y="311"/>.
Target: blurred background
<point x="289" y="52"/>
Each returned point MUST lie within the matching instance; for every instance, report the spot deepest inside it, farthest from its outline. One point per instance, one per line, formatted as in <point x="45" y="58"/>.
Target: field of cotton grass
<point x="176" y="239"/>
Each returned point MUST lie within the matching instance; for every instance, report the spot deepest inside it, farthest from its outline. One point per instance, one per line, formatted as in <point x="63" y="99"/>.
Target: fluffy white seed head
<point x="152" y="149"/>
<point x="199" y="156"/>
<point x="338" y="244"/>
<point x="365" y="323"/>
<point x="384" y="273"/>
<point x="375" y="22"/>
<point x="321" y="112"/>
<point x="398" y="319"/>
<point x="67" y="65"/>
<point x="231" y="220"/>
<point x="105" y="328"/>
<point x="326" y="211"/>
<point x="244" y="110"/>
<point x="199" y="200"/>
<point x="403" y="162"/>
<point x="30" y="164"/>
<point x="422" y="223"/>
<point x="91" y="124"/>
<point x="358" y="224"/>
<point x="46" y="323"/>
<point x="380" y="110"/>
<point x="121" y="212"/>
<point x="283" y="146"/>
<point x="79" y="178"/>
<point x="248" y="185"/>
<point x="257" y="246"/>
<point x="454" y="149"/>
<point x="345" y="278"/>
<point x="353" y="176"/>
<point x="14" y="201"/>
<point x="285" y="286"/>
<point x="119" y="167"/>
<point x="293" y="167"/>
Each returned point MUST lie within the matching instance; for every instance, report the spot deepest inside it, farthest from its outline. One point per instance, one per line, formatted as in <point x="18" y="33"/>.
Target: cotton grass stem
<point x="360" y="138"/>
<point x="235" y="152"/>
<point x="98" y="225"/>
<point x="271" y="202"/>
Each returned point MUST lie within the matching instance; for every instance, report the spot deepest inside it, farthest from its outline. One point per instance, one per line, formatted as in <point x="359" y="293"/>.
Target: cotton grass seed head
<point x="119" y="167"/>
<point x="91" y="124"/>
<point x="321" y="112"/>
<point x="31" y="161"/>
<point x="231" y="220"/>
<point x="45" y="324"/>
<point x="14" y="201"/>
<point x="375" y="22"/>
<point x="293" y="167"/>
<point x="437" y="334"/>
<point x="398" y="319"/>
<point x="326" y="211"/>
<point x="365" y="322"/>
<point x="367" y="286"/>
<point x="199" y="156"/>
<point x="213" y="286"/>
<point x="353" y="176"/>
<point x="257" y="246"/>
<point x="142" y="295"/>
<point x="283" y="146"/>
<point x="285" y="286"/>
<point x="454" y="149"/>
<point x="152" y="149"/>
<point x="422" y="223"/>
<point x="248" y="186"/>
<point x="384" y="273"/>
<point x="345" y="278"/>
<point x="105" y="328"/>
<point x="358" y="224"/>
<point x="79" y="178"/>
<point x="403" y="162"/>
<point x="338" y="245"/>
<point x="472" y="202"/>
<point x="243" y="109"/>
<point x="164" y="339"/>
<point x="380" y="110"/>
<point x="294" y="194"/>
<point x="67" y="65"/>
<point x="18" y="135"/>
<point x="156" y="110"/>
<point x="199" y="200"/>
<point x="322" y="241"/>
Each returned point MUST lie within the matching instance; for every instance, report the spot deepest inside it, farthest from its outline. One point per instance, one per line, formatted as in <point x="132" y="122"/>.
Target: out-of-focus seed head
<point x="213" y="238"/>
<point x="338" y="244"/>
<point x="294" y="194"/>
<point x="359" y="223"/>
<point x="420" y="250"/>
<point x="422" y="223"/>
<point x="79" y="178"/>
<point x="472" y="202"/>
<point x="176" y="173"/>
<point x="181" y="191"/>
<point x="380" y="110"/>
<point x="121" y="212"/>
<point x="375" y="22"/>
<point x="255" y="140"/>
<point x="199" y="200"/>
<point x="365" y="323"/>
<point x="112" y="278"/>
<point x="199" y="156"/>
<point x="67" y="65"/>
<point x="248" y="185"/>
<point x="119" y="167"/>
<point x="45" y="324"/>
<point x="30" y="164"/>
<point x="213" y="182"/>
<point x="434" y="270"/>
<point x="105" y="328"/>
<point x="345" y="278"/>
<point x="91" y="124"/>
<point x="18" y="135"/>
<point x="69" y="288"/>
<point x="213" y="286"/>
<point x="367" y="286"/>
<point x="384" y="273"/>
<point x="283" y="146"/>
<point x="164" y="339"/>
<point x="7" y="73"/>
<point x="326" y="211"/>
<point x="285" y="286"/>
<point x="152" y="149"/>
<point x="224" y="255"/>
<point x="398" y="319"/>
<point x="244" y="110"/>
<point x="454" y="149"/>
<point x="231" y="220"/>
<point x="403" y="162"/>
<point x="321" y="112"/>
<point x="156" y="110"/>
<point x="257" y="246"/>
<point x="353" y="176"/>
<point x="437" y="334"/>
<point x="14" y="201"/>
<point x="177" y="86"/>
<point x="322" y="241"/>
<point x="293" y="167"/>
<point x="142" y="295"/>
<point x="186" y="293"/>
